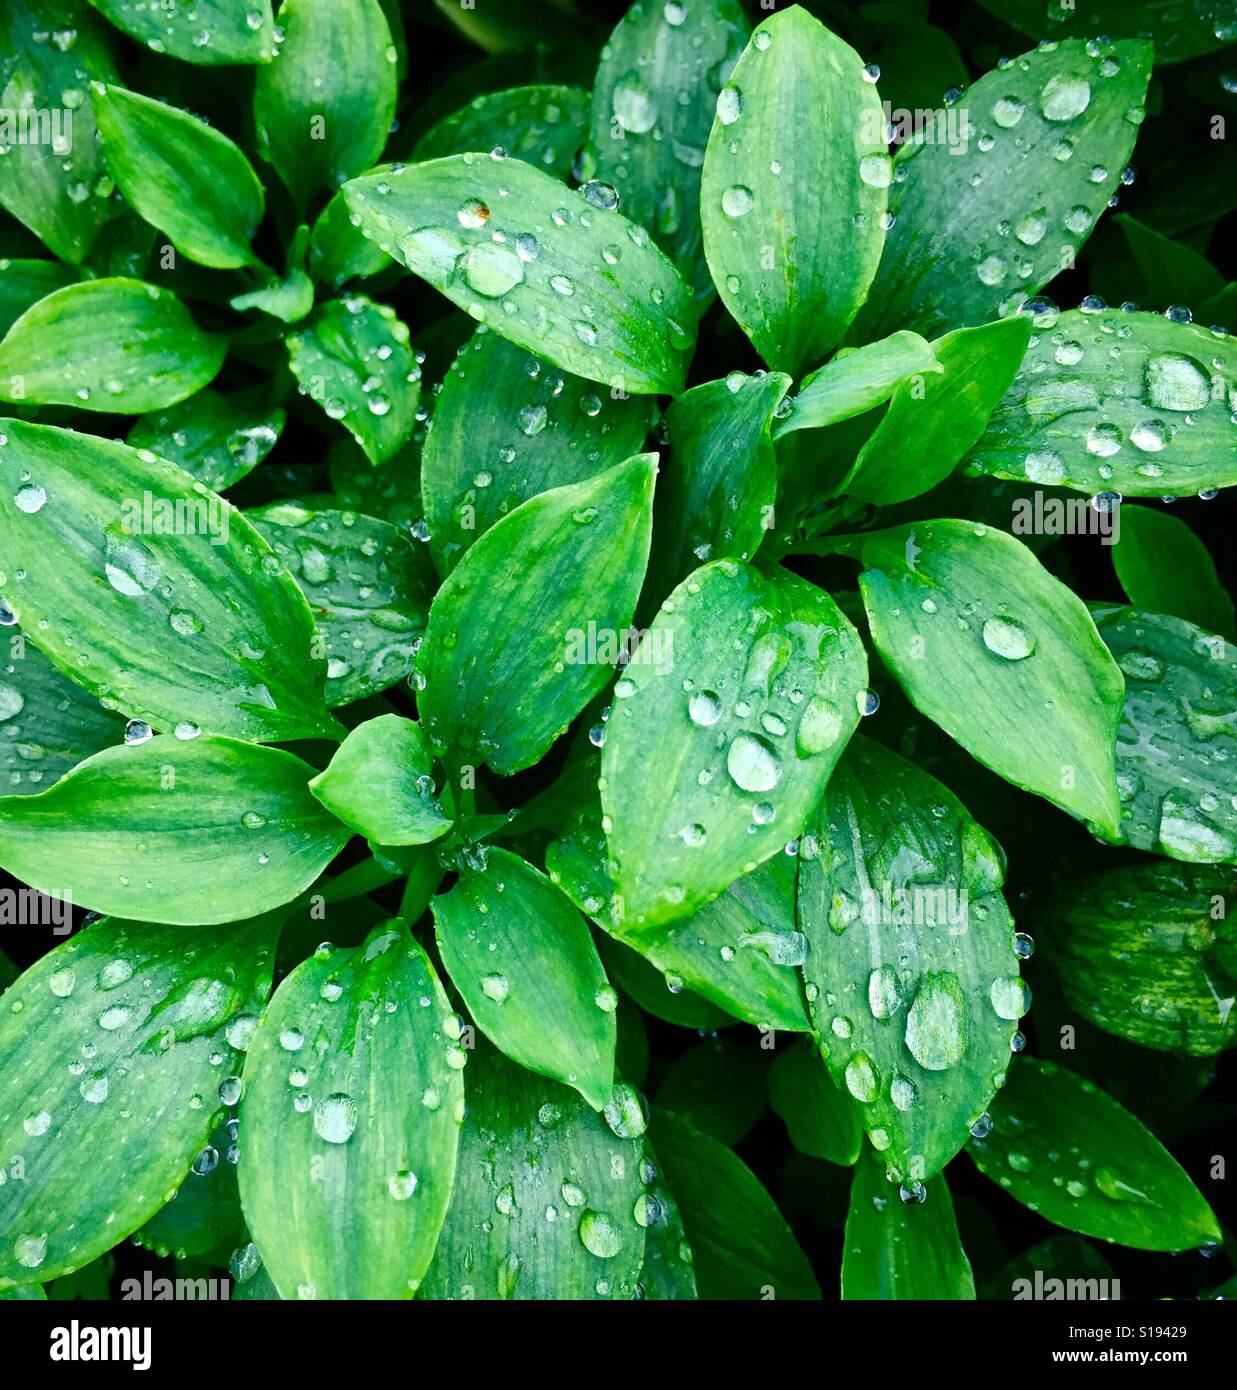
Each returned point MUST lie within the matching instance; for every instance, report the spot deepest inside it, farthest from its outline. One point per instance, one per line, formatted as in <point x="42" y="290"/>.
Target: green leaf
<point x="24" y="282"/>
<point x="1157" y="423"/>
<point x="717" y="494"/>
<point x="652" y="110"/>
<point x="180" y="176"/>
<point x="913" y="981"/>
<point x="204" y="1214"/>
<point x="525" y="964"/>
<point x="569" y="562"/>
<point x="542" y="125"/>
<point x="55" y="184"/>
<point x="1179" y="32"/>
<point x="507" y="426"/>
<point x="1164" y="568"/>
<point x="718" y="1087"/>
<point x="1144" y="952"/>
<point x="338" y="251"/>
<point x="369" y="587"/>
<point x="1172" y="744"/>
<point x="47" y="724"/>
<point x="323" y="106"/>
<point x="667" y="1275"/>
<point x="132" y="347"/>
<point x="1075" y="1264"/>
<point x="288" y="299"/>
<point x="991" y="207"/>
<point x="570" y="279"/>
<point x="217" y="438"/>
<point x="354" y="359"/>
<point x="822" y="1120"/>
<point x="742" y="1247"/>
<point x="662" y="996"/>
<point x="1171" y="272"/>
<point x="126" y="562"/>
<point x="380" y="783"/>
<point x="346" y="1174"/>
<point x="725" y="729"/>
<point x="206" y="831"/>
<point x="732" y="952"/>
<point x="530" y="1146"/>
<point x="1117" y="1181"/>
<point x="934" y="419"/>
<point x="162" y="1016"/>
<point x="858" y="380"/>
<point x="1002" y="656"/>
<point x="900" y="1250"/>
<point x="794" y="189"/>
<point x="206" y="33"/>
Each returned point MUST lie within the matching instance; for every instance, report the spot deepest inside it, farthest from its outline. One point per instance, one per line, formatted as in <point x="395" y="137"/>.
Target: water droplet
<point x="30" y="499"/>
<point x="1064" y="97"/>
<point x="1008" y="639"/>
<point x="936" y="1023"/>
<point x="1177" y="383"/>
<point x="335" y="1118"/>
<point x="737" y="200"/>
<point x="752" y="764"/>
<point x="599" y="1235"/>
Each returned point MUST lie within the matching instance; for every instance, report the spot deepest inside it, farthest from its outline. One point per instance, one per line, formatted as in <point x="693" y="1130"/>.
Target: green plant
<point x="525" y="656"/>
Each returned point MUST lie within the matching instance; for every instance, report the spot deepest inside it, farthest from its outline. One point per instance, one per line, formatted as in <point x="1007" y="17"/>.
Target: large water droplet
<point x="335" y="1118"/>
<point x="752" y="764"/>
<point x="936" y="1023"/>
<point x="1064" y="97"/>
<point x="1175" y="382"/>
<point x="1009" y="639"/>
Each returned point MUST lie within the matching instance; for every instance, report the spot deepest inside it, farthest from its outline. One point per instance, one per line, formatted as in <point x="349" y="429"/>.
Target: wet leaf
<point x="542" y="125"/>
<point x="217" y="438"/>
<point x="207" y="33"/>
<point x="821" y="1118"/>
<point x="1164" y="568"/>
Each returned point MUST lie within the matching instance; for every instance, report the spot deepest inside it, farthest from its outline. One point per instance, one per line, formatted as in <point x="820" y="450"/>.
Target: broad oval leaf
<point x="218" y="439"/>
<point x="180" y="176"/>
<point x="1059" y="1145"/>
<point x="119" y="559"/>
<point x="653" y="106"/>
<point x="338" y="251"/>
<point x="1002" y="656"/>
<point x="569" y="562"/>
<point x="322" y="107"/>
<point x="207" y="33"/>
<point x="1179" y="717"/>
<point x="902" y="1250"/>
<point x="795" y="184"/>
<point x="353" y="1101"/>
<point x="913" y="981"/>
<point x="542" y="125"/>
<point x="522" y="958"/>
<point x="368" y="585"/>
<point x="205" y="831"/>
<point x="1153" y="421"/>
<point x="742" y="1247"/>
<point x="47" y="724"/>
<point x="1164" y="568"/>
<point x="163" y="1016"/>
<point x="497" y="1242"/>
<point x="992" y="206"/>
<point x="553" y="269"/>
<point x="25" y="282"/>
<point x="379" y="782"/>
<point x="506" y="426"/>
<point x="934" y="419"/>
<point x="726" y="726"/>
<point x="109" y="345"/>
<point x="822" y="1119"/>
<point x="1142" y="952"/>
<point x="354" y="359"/>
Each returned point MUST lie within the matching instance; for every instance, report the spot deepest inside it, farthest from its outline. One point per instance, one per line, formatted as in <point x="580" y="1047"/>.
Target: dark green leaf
<point x="1075" y="1263"/>
<point x="206" y="32"/>
<point x="1171" y="272"/>
<point x="718" y="1087"/>
<point x="995" y="196"/>
<point x="569" y="563"/>
<point x="1002" y="656"/>
<point x="742" y="1247"/>
<point x="653" y="106"/>
<point x="822" y="1119"/>
<point x="204" y="1215"/>
<point x="323" y="106"/>
<point x="902" y="1250"/>
<point x="725" y="729"/>
<point x="353" y="1101"/>
<point x="552" y="269"/>
<point x="1164" y="568"/>
<point x="913" y="981"/>
<point x="123" y="560"/>
<point x="1062" y="1147"/>
<point x="338" y="251"/>
<point x="795" y="185"/>
<point x="354" y="359"/>
<point x="543" y="125"/>
<point x="162" y="1015"/>
<point x="25" y="282"/>
<point x="524" y="961"/>
<point x="507" y="426"/>
<point x="380" y="783"/>
<point x="662" y="996"/>
<point x="1179" y="31"/>
<point x="1172" y="744"/>
<point x="1155" y="420"/>
<point x="667" y="1275"/>
<point x="180" y="176"/>
<point x="206" y="831"/>
<point x="109" y="345"/>
<point x="219" y="439"/>
<point x="529" y="1147"/>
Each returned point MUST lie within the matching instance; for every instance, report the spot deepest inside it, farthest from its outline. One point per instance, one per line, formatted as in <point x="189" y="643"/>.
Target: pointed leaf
<point x="1178" y="32"/>
<point x="542" y="125"/>
<point x="823" y="1121"/>
<point x="207" y="33"/>
<point x="25" y="282"/>
<point x="1165" y="568"/>
<point x="219" y="439"/>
